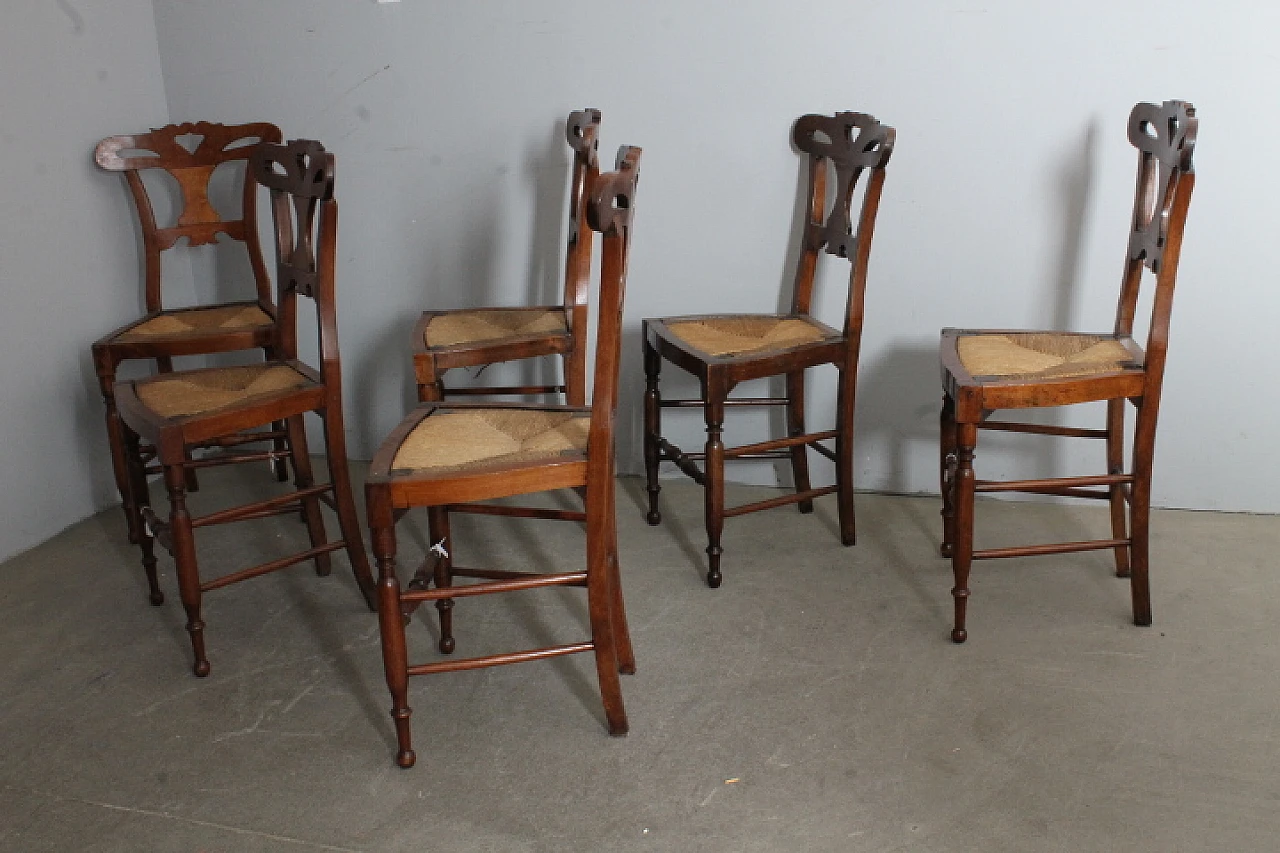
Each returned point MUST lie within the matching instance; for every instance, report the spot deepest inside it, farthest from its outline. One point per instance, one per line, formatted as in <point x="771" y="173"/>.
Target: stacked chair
<point x="448" y="455"/>
<point x="178" y="411"/>
<point x="189" y="154"/>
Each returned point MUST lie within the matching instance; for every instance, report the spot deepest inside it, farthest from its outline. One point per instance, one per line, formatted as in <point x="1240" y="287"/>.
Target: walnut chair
<point x="474" y="337"/>
<point x="987" y="370"/>
<point x="722" y="350"/>
<point x="181" y="410"/>
<point x="447" y="456"/>
<point x="163" y="334"/>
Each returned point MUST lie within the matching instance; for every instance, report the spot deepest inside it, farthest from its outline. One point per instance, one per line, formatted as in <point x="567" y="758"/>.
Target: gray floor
<point x="812" y="703"/>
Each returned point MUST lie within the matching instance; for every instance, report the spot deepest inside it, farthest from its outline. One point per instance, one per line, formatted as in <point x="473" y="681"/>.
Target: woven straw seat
<point x="185" y="321"/>
<point x="746" y="335"/>
<point x="454" y="440"/>
<point x="1042" y="355"/>
<point x="471" y="327"/>
<point x="199" y="391"/>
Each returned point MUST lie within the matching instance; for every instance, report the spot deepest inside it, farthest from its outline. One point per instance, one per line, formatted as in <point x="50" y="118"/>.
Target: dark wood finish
<point x="846" y="144"/>
<point x="299" y="177"/>
<point x="390" y="491"/>
<point x="1165" y="138"/>
<point x="430" y="363"/>
<point x="198" y="223"/>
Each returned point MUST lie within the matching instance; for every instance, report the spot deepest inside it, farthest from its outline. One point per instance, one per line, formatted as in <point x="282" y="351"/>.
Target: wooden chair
<point x="182" y="410"/>
<point x="473" y="337"/>
<point x="447" y="455"/>
<point x="722" y="350"/>
<point x="163" y="334"/>
<point x="987" y="370"/>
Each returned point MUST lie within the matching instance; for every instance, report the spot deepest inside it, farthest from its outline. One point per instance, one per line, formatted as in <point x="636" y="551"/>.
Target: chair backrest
<point x="304" y="213"/>
<point x="582" y="130"/>
<point x="610" y="211"/>
<point x="846" y="143"/>
<point x="192" y="168"/>
<point x="1165" y="137"/>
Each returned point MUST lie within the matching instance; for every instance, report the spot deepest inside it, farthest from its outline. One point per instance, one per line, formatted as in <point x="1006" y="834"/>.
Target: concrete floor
<point x="812" y="703"/>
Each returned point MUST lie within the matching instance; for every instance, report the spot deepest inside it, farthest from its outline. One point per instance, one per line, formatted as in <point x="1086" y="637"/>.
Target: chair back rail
<point x="1165" y="137"/>
<point x="193" y="169"/>
<point x="300" y="178"/>
<point x="610" y="211"/>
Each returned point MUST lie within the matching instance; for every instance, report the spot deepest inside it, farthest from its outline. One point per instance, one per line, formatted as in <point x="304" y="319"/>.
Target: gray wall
<point x="1006" y="202"/>
<point x="73" y="71"/>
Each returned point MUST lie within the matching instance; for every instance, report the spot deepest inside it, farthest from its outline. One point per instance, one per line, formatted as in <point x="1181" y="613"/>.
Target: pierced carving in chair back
<point x="832" y="138"/>
<point x="193" y="169"/>
<point x="1166" y="137"/>
<point x="300" y="176"/>
<point x="847" y="143"/>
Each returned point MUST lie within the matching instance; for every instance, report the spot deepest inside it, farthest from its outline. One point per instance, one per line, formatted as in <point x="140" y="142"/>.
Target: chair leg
<point x="303" y="479"/>
<point x="348" y="522"/>
<point x="283" y="448"/>
<point x="116" y="444"/>
<point x="714" y="491"/>
<point x="652" y="428"/>
<point x="962" y="552"/>
<point x="1140" y="514"/>
<point x="844" y="454"/>
<point x="438" y="526"/>
<point x="795" y="427"/>
<point x="622" y="633"/>
<point x="946" y="473"/>
<point x="601" y="605"/>
<point x="395" y="657"/>
<point x="575" y="374"/>
<point x="139" y="496"/>
<point x="1115" y="465"/>
<point x="184" y="556"/>
<point x="431" y="384"/>
<point x="164" y="364"/>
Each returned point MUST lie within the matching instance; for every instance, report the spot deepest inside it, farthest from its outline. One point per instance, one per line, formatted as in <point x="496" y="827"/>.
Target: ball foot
<point x="201" y="669"/>
<point x="946" y="550"/>
<point x="714" y="579"/>
<point x="654" y="518"/>
<point x="959" y="635"/>
<point x="447" y="645"/>
<point x="406" y="758"/>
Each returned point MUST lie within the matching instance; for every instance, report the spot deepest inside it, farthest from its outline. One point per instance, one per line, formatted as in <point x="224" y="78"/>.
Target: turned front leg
<point x="962" y="556"/>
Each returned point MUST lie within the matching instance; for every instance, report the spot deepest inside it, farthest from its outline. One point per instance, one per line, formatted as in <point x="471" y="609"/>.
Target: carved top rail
<point x="192" y="166"/>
